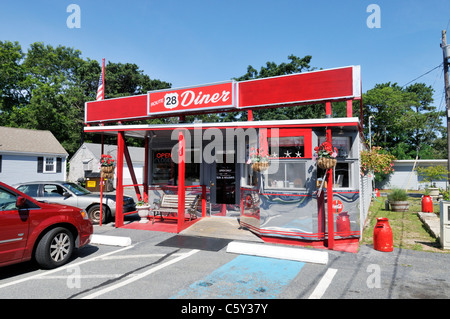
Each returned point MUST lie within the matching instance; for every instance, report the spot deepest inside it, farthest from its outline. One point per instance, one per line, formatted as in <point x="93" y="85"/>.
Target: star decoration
<point x="298" y="154"/>
<point x="288" y="154"/>
<point x="274" y="155"/>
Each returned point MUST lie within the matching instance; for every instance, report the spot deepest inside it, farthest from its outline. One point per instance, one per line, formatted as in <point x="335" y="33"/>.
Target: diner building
<point x="265" y="173"/>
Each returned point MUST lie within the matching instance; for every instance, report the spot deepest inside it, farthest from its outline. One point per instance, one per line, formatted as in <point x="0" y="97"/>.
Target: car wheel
<point x="55" y="248"/>
<point x="94" y="214"/>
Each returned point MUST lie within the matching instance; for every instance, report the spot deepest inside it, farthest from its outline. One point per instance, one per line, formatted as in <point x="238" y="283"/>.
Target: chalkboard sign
<point x="225" y="183"/>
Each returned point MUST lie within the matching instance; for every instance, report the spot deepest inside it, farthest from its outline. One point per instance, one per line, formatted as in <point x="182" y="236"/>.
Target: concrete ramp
<point x="279" y="252"/>
<point x="221" y="227"/>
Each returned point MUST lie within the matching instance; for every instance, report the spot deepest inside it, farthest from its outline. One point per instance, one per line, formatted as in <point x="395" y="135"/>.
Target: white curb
<point x="110" y="240"/>
<point x="280" y="252"/>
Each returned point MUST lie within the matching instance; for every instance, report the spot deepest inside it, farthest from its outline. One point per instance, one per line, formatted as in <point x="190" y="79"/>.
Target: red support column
<point x="361" y="113"/>
<point x="146" y="170"/>
<point x="119" y="186"/>
<point x="321" y="214"/>
<point x="181" y="177"/>
<point x="203" y="200"/>
<point x="330" y="215"/>
<point x="328" y="109"/>
<point x="349" y="108"/>
<point x="249" y="115"/>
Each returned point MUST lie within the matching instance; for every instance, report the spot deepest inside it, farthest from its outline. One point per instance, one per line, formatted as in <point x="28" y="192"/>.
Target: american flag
<point x="101" y="84"/>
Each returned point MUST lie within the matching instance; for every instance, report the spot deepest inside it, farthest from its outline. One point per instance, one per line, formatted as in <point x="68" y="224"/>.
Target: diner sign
<point x="191" y="99"/>
<point x="294" y="89"/>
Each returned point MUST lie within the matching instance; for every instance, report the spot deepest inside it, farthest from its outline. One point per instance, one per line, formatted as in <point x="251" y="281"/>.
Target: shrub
<point x="398" y="195"/>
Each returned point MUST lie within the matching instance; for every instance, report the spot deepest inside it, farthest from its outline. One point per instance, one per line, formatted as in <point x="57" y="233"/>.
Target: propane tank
<point x="427" y="204"/>
<point x="382" y="235"/>
<point x="343" y="224"/>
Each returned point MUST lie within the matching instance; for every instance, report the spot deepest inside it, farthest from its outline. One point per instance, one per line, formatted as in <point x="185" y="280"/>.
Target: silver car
<point x="74" y="195"/>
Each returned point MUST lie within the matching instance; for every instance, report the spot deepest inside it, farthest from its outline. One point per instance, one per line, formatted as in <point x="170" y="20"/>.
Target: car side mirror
<point x="67" y="194"/>
<point x="21" y="202"/>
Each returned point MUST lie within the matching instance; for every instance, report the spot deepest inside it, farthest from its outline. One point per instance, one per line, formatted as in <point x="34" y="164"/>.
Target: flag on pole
<point x="101" y="84"/>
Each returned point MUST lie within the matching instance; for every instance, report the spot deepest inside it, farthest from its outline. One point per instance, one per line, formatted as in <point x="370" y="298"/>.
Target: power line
<point x="423" y="74"/>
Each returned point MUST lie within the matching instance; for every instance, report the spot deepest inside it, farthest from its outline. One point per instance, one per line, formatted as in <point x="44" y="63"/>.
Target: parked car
<point x="46" y="232"/>
<point x="68" y="193"/>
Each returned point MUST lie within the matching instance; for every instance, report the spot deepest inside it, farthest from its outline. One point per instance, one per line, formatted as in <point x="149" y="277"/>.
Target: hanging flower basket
<point x="326" y="155"/>
<point x="260" y="166"/>
<point x="326" y="162"/>
<point x="259" y="159"/>
<point x="108" y="169"/>
<point x="107" y="166"/>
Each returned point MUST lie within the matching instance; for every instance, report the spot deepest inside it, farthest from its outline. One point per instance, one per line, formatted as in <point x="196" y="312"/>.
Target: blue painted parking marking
<point x="245" y="277"/>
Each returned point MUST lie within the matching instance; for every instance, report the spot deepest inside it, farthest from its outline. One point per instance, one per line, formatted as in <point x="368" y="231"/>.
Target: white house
<point x="30" y="155"/>
<point x="86" y="162"/>
<point x="405" y="174"/>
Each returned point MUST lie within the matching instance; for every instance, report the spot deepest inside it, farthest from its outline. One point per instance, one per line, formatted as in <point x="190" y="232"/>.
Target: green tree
<point x="46" y="88"/>
<point x="404" y="120"/>
<point x="11" y="77"/>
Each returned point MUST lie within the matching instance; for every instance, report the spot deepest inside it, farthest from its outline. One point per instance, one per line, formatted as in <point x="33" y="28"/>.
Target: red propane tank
<point x="382" y="235"/>
<point x="427" y="204"/>
<point x="343" y="225"/>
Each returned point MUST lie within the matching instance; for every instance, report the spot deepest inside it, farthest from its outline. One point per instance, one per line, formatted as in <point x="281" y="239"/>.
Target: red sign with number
<point x="295" y="89"/>
<point x="337" y="206"/>
<point x="193" y="98"/>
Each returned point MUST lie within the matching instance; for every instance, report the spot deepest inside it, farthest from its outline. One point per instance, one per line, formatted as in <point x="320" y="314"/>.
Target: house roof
<point x="19" y="140"/>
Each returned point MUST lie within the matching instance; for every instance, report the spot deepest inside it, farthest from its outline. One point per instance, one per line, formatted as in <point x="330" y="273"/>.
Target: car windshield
<point x="76" y="189"/>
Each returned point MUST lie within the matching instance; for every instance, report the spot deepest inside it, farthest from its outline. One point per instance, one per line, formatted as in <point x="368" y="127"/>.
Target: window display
<point x="290" y="174"/>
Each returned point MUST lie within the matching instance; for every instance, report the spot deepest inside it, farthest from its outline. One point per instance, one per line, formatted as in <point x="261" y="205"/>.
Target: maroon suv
<point x="46" y="232"/>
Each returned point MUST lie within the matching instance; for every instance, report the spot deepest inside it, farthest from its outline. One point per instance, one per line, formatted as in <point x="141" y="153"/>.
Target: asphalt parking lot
<point x="192" y="270"/>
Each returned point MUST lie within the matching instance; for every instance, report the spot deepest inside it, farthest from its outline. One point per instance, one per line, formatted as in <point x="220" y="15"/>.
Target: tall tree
<point x="404" y="120"/>
<point x="47" y="87"/>
<point x="11" y="77"/>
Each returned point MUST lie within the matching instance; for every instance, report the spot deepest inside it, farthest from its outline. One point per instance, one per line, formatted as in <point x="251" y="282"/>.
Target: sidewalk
<point x="431" y="222"/>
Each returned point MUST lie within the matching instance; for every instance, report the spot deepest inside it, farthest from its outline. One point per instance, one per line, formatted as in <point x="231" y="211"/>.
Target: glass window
<point x="50" y="166"/>
<point x="7" y="200"/>
<point x="52" y="190"/>
<point x="341" y="174"/>
<point x="192" y="167"/>
<point x="342" y="143"/>
<point x="287" y="147"/>
<point x="290" y="174"/>
<point x="165" y="171"/>
<point x="76" y="189"/>
<point x="30" y="190"/>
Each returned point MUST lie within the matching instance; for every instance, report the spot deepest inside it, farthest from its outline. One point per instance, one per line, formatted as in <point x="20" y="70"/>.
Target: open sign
<point x="337" y="206"/>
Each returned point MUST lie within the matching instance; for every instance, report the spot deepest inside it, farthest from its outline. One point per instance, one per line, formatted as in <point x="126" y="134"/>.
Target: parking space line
<point x="323" y="284"/>
<point x="142" y="275"/>
<point x="137" y="256"/>
<point x="49" y="272"/>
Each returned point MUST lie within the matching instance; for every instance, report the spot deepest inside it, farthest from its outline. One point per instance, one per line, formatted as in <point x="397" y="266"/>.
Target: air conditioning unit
<point x="445" y="224"/>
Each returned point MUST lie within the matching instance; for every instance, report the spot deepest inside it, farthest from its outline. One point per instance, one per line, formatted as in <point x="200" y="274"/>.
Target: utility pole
<point x="447" y="93"/>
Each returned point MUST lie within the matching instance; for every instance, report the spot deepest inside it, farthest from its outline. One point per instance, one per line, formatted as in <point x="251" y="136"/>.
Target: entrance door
<point x="223" y="181"/>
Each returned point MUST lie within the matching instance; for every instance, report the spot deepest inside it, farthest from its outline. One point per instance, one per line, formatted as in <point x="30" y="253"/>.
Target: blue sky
<point x="204" y="41"/>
